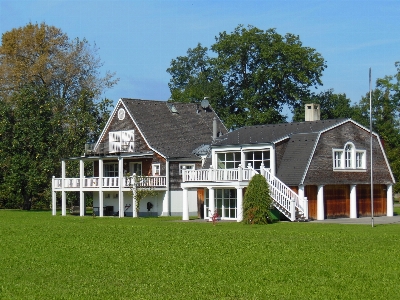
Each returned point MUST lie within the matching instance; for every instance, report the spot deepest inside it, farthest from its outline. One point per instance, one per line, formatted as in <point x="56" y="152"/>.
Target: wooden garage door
<point x="364" y="200"/>
<point x="337" y="201"/>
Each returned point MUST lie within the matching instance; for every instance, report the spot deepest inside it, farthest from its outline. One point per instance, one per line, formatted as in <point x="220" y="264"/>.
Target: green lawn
<point x="54" y="257"/>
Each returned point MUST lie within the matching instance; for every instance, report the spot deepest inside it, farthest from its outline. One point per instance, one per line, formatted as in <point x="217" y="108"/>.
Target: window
<point x="121" y="141"/>
<point x="187" y="167"/>
<point x="349" y="158"/>
<point x="155" y="169"/>
<point x="228" y="160"/>
<point x="111" y="170"/>
<point x="256" y="158"/>
<point x="135" y="168"/>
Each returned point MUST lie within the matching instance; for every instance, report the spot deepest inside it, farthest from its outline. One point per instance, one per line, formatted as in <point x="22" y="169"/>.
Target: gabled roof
<point x="273" y="133"/>
<point x="173" y="130"/>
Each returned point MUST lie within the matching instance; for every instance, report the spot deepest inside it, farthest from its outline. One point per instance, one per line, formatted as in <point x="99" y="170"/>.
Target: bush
<point x="257" y="201"/>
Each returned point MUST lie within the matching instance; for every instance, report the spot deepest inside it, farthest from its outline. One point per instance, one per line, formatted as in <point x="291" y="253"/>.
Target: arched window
<point x="349" y="158"/>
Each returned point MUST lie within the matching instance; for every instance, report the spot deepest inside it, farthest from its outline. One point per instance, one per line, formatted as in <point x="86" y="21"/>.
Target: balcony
<point x="218" y="175"/>
<point x="95" y="183"/>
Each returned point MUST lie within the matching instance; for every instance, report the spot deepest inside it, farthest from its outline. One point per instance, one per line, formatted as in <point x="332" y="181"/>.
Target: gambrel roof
<point x="301" y="140"/>
<point x="173" y="130"/>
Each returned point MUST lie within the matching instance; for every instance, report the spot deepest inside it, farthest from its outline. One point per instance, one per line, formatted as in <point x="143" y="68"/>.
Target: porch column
<point x="389" y="199"/>
<point x="134" y="211"/>
<point x="101" y="194"/>
<point x="63" y="193"/>
<point x="239" y="192"/>
<point x="165" y="210"/>
<point x="320" y="203"/>
<point x="120" y="183"/>
<point x="53" y="198"/>
<point x="272" y="160"/>
<point x="185" y="205"/>
<point x="353" y="201"/>
<point x="301" y="195"/>
<point x="81" y="193"/>
<point x="211" y="202"/>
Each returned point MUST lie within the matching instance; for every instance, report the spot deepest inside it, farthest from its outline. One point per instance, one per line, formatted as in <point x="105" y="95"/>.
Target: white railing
<point x="239" y="174"/>
<point x="283" y="195"/>
<point x="110" y="182"/>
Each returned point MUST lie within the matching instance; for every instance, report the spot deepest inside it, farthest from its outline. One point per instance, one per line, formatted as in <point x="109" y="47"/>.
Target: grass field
<point x="54" y="257"/>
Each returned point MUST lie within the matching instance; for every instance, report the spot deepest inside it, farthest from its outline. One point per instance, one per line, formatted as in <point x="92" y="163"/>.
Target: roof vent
<point x="172" y="107"/>
<point x="312" y="112"/>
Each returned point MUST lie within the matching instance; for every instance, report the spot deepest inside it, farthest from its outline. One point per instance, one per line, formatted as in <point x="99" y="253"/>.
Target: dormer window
<point x="349" y="158"/>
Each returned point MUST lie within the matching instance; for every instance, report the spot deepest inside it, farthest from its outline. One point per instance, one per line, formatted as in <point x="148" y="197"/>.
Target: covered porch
<point x="121" y="184"/>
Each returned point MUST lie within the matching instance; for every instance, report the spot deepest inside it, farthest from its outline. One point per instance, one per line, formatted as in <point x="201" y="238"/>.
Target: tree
<point x="254" y="75"/>
<point x="45" y="56"/>
<point x="385" y="117"/>
<point x="332" y="106"/>
<point x="43" y="72"/>
<point x="257" y="201"/>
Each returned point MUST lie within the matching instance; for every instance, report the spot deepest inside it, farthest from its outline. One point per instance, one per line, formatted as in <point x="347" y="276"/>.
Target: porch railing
<point x="239" y="174"/>
<point x="286" y="200"/>
<point x="111" y="182"/>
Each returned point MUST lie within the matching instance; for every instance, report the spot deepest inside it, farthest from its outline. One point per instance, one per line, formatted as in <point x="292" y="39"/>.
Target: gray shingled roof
<point x="296" y="157"/>
<point x="301" y="138"/>
<point x="271" y="133"/>
<point x="174" y="135"/>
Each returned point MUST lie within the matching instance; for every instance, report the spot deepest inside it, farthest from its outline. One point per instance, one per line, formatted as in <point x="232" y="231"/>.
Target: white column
<point x="101" y="194"/>
<point x="53" y="198"/>
<point x="211" y="202"/>
<point x="292" y="210"/>
<point x="302" y="201"/>
<point x="185" y="205"/>
<point x="81" y="194"/>
<point x="389" y="199"/>
<point x="165" y="210"/>
<point x="239" y="191"/>
<point x="320" y="203"/>
<point x="353" y="201"/>
<point x="305" y="207"/>
<point x="63" y="193"/>
<point x="120" y="183"/>
<point x="272" y="162"/>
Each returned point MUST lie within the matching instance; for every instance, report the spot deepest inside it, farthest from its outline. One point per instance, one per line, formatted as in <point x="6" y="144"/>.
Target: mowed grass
<point x="55" y="257"/>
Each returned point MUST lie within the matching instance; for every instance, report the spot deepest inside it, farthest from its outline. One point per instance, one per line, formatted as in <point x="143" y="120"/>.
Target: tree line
<point x="51" y="97"/>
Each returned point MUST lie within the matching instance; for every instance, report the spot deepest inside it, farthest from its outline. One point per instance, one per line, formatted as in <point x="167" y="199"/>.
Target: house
<point x="150" y="140"/>
<point x="316" y="169"/>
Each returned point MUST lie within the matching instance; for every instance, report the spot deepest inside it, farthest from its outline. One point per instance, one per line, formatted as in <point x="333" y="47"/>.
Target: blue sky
<point x="138" y="39"/>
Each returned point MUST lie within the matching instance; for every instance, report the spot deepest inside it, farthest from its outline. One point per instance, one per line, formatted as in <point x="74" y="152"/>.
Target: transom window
<point x="349" y="158"/>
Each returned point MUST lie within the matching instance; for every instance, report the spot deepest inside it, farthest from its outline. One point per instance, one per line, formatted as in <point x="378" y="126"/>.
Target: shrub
<point x="257" y="201"/>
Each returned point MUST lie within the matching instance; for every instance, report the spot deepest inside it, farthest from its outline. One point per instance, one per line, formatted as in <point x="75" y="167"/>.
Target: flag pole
<point x="370" y="131"/>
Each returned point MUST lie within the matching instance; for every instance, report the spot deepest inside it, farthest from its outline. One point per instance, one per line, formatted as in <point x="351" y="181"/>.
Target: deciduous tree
<point x="254" y="75"/>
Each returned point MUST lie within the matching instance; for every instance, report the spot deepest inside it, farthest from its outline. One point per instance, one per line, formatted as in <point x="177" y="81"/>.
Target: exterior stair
<point x="285" y="199"/>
